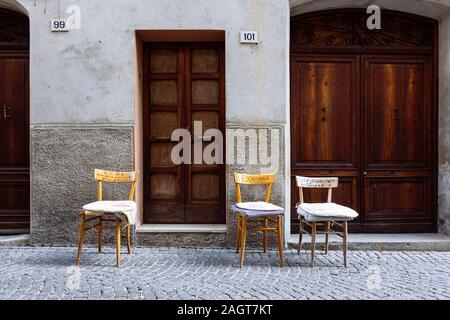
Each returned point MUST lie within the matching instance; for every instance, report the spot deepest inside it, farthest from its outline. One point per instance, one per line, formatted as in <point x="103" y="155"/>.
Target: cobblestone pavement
<point x="49" y="273"/>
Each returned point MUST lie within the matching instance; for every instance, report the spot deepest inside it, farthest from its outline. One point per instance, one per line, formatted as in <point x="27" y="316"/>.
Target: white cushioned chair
<point x="327" y="214"/>
<point x="113" y="211"/>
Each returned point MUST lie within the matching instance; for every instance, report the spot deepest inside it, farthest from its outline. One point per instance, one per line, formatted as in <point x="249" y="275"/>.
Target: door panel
<point x="397" y="113"/>
<point x="205" y="101"/>
<point x="14" y="145"/>
<point x="325" y="140"/>
<point x="325" y="108"/>
<point x="162" y="115"/>
<point x="397" y="198"/>
<point x="398" y="152"/>
<point x="185" y="84"/>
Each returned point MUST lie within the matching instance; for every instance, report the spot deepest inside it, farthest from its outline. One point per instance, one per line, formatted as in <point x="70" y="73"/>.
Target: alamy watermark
<point x="73" y="282"/>
<point x="244" y="147"/>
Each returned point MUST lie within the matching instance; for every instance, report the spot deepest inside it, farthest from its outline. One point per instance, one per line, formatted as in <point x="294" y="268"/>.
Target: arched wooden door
<point x="364" y="109"/>
<point x="14" y="123"/>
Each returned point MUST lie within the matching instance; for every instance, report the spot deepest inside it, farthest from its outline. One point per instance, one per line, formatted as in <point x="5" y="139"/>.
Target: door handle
<point x="6" y="112"/>
<point x="397" y="113"/>
<point x="324" y="113"/>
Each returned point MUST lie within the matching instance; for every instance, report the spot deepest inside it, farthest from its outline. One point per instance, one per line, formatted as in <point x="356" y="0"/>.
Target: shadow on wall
<point x="428" y="8"/>
<point x="13" y="5"/>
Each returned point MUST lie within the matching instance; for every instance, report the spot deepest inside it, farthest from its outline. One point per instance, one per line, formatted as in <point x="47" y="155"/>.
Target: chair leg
<point x="313" y="242"/>
<point x="118" y="241"/>
<point x="300" y="236"/>
<point x="327" y="236"/>
<point x="243" y="239"/>
<point x="100" y="234"/>
<point x="280" y="239"/>
<point x="266" y="225"/>
<point x="129" y="238"/>
<point x="345" y="244"/>
<point x="239" y="233"/>
<point x="80" y="240"/>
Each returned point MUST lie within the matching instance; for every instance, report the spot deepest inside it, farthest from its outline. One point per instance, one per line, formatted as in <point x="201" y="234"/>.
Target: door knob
<point x="397" y="113"/>
<point x="6" y="112"/>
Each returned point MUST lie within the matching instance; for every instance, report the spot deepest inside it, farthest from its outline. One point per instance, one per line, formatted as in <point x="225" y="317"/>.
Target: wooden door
<point x="185" y="82"/>
<point x="364" y="109"/>
<point x="325" y="110"/>
<point x="14" y="144"/>
<point x="398" y="170"/>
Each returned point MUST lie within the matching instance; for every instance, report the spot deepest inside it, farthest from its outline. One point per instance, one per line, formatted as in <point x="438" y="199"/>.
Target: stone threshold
<point x="182" y="228"/>
<point x="381" y="242"/>
<point x="15" y="241"/>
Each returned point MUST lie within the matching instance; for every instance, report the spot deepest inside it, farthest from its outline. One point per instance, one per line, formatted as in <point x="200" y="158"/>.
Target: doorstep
<point x="382" y="242"/>
<point x="15" y="241"/>
<point x="182" y="228"/>
<point x="181" y="235"/>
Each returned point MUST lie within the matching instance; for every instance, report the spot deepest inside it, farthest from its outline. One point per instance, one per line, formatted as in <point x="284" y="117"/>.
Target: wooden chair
<point x="328" y="215"/>
<point x="275" y="216"/>
<point x="109" y="211"/>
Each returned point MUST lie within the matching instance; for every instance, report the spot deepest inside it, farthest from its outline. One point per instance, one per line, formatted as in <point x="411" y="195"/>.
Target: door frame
<point x="432" y="52"/>
<point x="186" y="39"/>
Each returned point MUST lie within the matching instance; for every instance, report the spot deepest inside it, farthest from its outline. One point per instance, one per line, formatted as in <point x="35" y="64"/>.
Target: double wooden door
<point x="368" y="119"/>
<point x="184" y="83"/>
<point x="14" y="144"/>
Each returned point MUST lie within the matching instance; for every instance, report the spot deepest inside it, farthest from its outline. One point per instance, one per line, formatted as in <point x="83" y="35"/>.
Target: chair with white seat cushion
<point x="328" y="214"/>
<point x="269" y="214"/>
<point x="99" y="211"/>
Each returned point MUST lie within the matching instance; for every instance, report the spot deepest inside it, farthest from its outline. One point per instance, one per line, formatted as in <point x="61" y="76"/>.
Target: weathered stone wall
<point x="63" y="163"/>
<point x="254" y="193"/>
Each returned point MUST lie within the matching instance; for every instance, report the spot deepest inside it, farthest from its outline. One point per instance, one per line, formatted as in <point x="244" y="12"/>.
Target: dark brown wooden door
<point x="14" y="145"/>
<point x="185" y="83"/>
<point x="363" y="108"/>
<point x="324" y="122"/>
<point x="398" y="143"/>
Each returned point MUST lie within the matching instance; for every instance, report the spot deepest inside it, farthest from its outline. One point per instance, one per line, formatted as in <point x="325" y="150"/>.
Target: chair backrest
<point x="316" y="183"/>
<point x="116" y="177"/>
<point x="254" y="179"/>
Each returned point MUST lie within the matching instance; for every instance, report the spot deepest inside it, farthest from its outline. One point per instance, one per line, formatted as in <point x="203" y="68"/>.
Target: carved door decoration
<point x="363" y="106"/>
<point x="184" y="83"/>
<point x="14" y="124"/>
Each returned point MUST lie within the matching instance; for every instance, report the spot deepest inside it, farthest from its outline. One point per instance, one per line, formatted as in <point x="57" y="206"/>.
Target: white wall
<point x="87" y="76"/>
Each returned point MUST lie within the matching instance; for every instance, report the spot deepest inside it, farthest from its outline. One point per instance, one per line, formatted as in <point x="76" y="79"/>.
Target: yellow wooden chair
<point x="94" y="214"/>
<point x="269" y="214"/>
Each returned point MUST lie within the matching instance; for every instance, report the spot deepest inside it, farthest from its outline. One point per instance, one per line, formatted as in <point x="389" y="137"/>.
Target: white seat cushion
<point x="258" y="206"/>
<point x="316" y="212"/>
<point x="119" y="208"/>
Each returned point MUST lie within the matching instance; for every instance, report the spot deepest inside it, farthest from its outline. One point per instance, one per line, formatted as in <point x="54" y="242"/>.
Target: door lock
<point x="397" y="112"/>
<point x="6" y="112"/>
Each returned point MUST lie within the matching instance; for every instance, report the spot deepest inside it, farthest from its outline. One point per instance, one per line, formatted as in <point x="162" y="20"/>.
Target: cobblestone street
<point x="49" y="273"/>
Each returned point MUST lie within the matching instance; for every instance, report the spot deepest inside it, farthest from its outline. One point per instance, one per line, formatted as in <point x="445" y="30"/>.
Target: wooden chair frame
<point x="257" y="179"/>
<point x="109" y="177"/>
<point x="321" y="183"/>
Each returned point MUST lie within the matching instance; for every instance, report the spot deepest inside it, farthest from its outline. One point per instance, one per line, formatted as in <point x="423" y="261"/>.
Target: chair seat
<point x="254" y="213"/>
<point x="125" y="209"/>
<point x="318" y="212"/>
